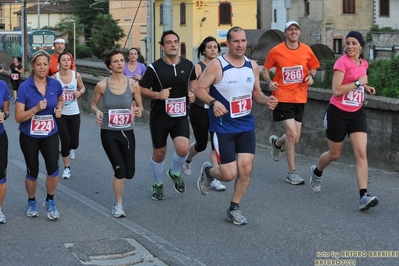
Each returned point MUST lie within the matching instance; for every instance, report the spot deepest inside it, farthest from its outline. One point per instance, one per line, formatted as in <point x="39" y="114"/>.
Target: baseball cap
<point x="60" y="40"/>
<point x="289" y="23"/>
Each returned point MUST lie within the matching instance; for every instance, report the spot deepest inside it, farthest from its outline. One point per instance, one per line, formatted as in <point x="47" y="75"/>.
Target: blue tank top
<point x="234" y="91"/>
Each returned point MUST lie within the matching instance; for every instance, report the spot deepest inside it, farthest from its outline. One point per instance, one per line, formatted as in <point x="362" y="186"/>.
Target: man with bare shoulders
<point x="167" y="82"/>
<point x="233" y="82"/>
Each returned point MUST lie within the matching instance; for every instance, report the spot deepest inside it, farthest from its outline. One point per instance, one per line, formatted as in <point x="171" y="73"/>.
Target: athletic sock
<point x="177" y="163"/>
<point x="157" y="171"/>
<point x="362" y="192"/>
<point x="232" y="205"/>
<point x="49" y="197"/>
<point x="317" y="172"/>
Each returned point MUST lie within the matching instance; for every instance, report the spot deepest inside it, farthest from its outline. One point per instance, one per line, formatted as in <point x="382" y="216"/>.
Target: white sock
<point x="177" y="163"/>
<point x="157" y="171"/>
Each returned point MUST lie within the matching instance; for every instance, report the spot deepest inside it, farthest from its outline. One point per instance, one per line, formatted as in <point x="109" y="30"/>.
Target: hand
<point x="42" y="104"/>
<point x="137" y="111"/>
<point x="77" y="94"/>
<point x="271" y="102"/>
<point x="370" y="90"/>
<point x="191" y="97"/>
<point x="164" y="94"/>
<point x="136" y="77"/>
<point x="309" y="80"/>
<point x="219" y="109"/>
<point x="273" y="85"/>
<point x="99" y="117"/>
<point x="58" y="112"/>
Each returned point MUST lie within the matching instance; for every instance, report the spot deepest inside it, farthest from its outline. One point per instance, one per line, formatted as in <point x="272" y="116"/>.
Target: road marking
<point x="163" y="245"/>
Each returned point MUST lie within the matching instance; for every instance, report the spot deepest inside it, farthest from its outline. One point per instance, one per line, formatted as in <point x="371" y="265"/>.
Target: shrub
<point x="83" y="51"/>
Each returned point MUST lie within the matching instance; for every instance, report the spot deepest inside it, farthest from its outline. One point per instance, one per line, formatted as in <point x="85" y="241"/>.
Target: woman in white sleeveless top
<point x="69" y="123"/>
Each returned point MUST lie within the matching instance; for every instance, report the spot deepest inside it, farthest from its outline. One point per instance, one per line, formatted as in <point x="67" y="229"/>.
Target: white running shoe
<point x="2" y="218"/>
<point x="186" y="168"/>
<point x="117" y="211"/>
<point x="216" y="185"/>
<point x="72" y="154"/>
<point x="66" y="174"/>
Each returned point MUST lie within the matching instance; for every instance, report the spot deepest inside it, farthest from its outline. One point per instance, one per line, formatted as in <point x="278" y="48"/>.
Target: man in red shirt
<point x="59" y="47"/>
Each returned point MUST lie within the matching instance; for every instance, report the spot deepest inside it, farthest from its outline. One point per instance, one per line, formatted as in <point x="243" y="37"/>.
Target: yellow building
<point x="132" y="16"/>
<point x="195" y="20"/>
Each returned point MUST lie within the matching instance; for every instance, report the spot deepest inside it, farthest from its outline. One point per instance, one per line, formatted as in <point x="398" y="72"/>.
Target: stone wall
<point x="383" y="123"/>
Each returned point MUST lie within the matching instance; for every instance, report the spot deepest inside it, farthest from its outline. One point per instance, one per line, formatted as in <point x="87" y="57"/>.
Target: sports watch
<point x="357" y="83"/>
<point x="211" y="103"/>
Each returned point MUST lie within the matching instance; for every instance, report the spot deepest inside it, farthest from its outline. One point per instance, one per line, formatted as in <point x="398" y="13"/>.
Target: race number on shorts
<point x="354" y="97"/>
<point x="119" y="118"/>
<point x="293" y="74"/>
<point x="15" y="76"/>
<point x="240" y="105"/>
<point x="41" y="125"/>
<point x="175" y="107"/>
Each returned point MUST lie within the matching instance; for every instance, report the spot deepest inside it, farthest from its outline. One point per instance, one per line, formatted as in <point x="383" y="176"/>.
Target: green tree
<point x="87" y="11"/>
<point x="66" y="25"/>
<point x="105" y="33"/>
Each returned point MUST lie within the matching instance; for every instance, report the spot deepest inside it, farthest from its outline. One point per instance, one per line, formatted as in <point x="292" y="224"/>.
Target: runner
<point x="4" y="114"/>
<point x="134" y="69"/>
<point x="296" y="67"/>
<point x="166" y="82"/>
<point x="233" y="81"/>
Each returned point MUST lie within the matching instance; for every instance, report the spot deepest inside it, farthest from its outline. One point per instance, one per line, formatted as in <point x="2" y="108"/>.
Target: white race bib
<point x="354" y="97"/>
<point x="240" y="105"/>
<point x="119" y="118"/>
<point x="41" y="124"/>
<point x="293" y="74"/>
<point x="176" y="107"/>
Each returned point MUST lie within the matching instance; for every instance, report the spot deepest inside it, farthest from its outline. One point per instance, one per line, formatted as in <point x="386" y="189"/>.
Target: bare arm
<point x="257" y="95"/>
<point x="22" y="115"/>
<point x="81" y="86"/>
<point x="339" y="89"/>
<point x="137" y="105"/>
<point x="98" y="93"/>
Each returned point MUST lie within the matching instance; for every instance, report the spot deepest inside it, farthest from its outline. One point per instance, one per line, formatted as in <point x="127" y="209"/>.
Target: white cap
<point x="289" y="23"/>
<point x="60" y="40"/>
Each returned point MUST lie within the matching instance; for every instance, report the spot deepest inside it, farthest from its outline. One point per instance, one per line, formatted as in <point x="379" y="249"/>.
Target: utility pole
<point x="24" y="36"/>
<point x="167" y="15"/>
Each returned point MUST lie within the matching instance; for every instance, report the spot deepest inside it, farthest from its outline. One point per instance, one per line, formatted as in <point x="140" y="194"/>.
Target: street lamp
<point x="74" y="37"/>
<point x="38" y="12"/>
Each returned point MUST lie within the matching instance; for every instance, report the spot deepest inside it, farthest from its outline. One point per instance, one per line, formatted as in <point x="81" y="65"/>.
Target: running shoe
<point x="2" y="218"/>
<point x="72" y="154"/>
<point x="31" y="209"/>
<point x="315" y="182"/>
<point x="294" y="179"/>
<point x="157" y="192"/>
<point x="186" y="168"/>
<point x="367" y="202"/>
<point x="66" y="174"/>
<point x="236" y="217"/>
<point x="275" y="152"/>
<point x="117" y="211"/>
<point x="204" y="181"/>
<point x="216" y="185"/>
<point x="52" y="213"/>
<point x="178" y="181"/>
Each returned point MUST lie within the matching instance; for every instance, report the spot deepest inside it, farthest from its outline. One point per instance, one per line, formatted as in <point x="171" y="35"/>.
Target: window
<point x="275" y="15"/>
<point x="307" y="8"/>
<point x="337" y="45"/>
<point x="349" y="6"/>
<point x="225" y="14"/>
<point x="183" y="13"/>
<point x="183" y="49"/>
<point x="384" y="7"/>
<point x="161" y="14"/>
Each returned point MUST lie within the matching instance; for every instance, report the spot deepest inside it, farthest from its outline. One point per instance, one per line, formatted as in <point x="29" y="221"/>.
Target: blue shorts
<point x="227" y="145"/>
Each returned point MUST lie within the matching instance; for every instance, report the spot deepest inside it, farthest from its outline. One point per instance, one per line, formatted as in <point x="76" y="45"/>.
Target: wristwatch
<point x="211" y="103"/>
<point x="357" y="83"/>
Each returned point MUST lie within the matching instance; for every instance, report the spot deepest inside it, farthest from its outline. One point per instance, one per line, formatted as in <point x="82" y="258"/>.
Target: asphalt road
<point x="288" y="225"/>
